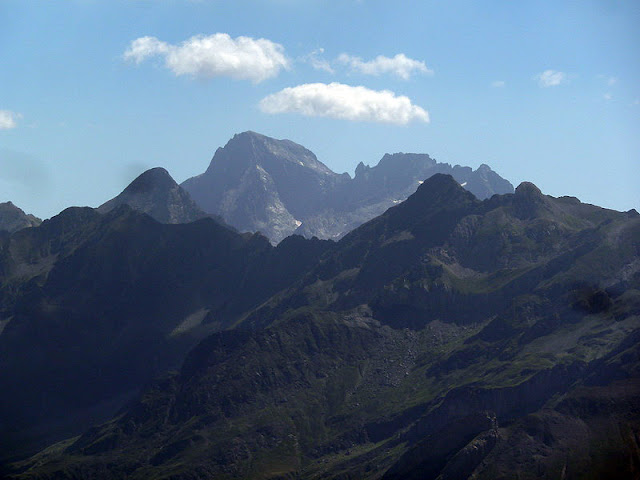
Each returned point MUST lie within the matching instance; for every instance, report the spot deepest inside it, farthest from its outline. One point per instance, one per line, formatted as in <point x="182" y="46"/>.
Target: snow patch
<point x="463" y="184"/>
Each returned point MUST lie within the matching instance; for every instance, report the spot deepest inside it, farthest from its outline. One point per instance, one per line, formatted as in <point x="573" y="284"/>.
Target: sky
<point x="92" y="93"/>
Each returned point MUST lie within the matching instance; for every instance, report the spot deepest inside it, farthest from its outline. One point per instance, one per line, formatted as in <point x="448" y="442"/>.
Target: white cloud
<point x="498" y="84"/>
<point x="400" y="65"/>
<point x="142" y="48"/>
<point x="8" y="119"/>
<point x="318" y="63"/>
<point x="607" y="96"/>
<point x="345" y="102"/>
<point x="551" y="78"/>
<point x="216" y="55"/>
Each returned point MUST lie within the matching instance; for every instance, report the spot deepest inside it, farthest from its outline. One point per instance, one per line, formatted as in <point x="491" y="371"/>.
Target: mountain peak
<point x="530" y="202"/>
<point x="250" y="134"/>
<point x="528" y="189"/>
<point x="154" y="178"/>
<point x="259" y="183"/>
<point x="439" y="193"/>
<point x="13" y="218"/>
<point x="157" y="194"/>
<point x="439" y="185"/>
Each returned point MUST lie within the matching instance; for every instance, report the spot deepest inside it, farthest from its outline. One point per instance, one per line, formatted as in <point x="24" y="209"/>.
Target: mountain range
<point x="449" y="337"/>
<point x="277" y="187"/>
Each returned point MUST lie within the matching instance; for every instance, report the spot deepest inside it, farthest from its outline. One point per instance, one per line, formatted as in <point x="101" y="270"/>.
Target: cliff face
<point x="448" y="338"/>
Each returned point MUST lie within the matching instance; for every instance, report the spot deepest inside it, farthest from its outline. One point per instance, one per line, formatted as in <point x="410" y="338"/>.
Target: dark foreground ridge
<point x="94" y="306"/>
<point x="448" y="338"/>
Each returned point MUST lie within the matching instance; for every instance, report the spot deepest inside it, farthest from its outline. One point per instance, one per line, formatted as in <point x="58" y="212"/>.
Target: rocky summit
<point x="257" y="183"/>
<point x="277" y="187"/>
<point x="448" y="338"/>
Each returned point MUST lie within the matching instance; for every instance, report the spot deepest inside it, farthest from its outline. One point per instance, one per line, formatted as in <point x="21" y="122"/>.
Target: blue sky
<point x="94" y="92"/>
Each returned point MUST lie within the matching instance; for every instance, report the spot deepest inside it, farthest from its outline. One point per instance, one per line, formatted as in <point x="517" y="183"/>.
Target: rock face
<point x="13" y="218"/>
<point x="447" y="338"/>
<point x="155" y="193"/>
<point x="278" y="187"/>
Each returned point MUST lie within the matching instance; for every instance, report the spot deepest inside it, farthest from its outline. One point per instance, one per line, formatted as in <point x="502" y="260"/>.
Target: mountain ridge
<point x="80" y="316"/>
<point x="447" y="338"/>
<point x="257" y="183"/>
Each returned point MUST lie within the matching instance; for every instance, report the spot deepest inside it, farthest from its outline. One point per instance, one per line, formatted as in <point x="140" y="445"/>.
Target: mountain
<point x="278" y="187"/>
<point x="13" y="218"/>
<point x="257" y="183"/>
<point x="155" y="193"/>
<point x="375" y="189"/>
<point x="94" y="306"/>
<point x="448" y="338"/>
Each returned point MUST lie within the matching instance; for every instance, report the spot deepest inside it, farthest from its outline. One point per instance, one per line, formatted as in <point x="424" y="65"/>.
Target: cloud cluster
<point x="8" y="119"/>
<point x="551" y="78"/>
<point x="345" y="102"/>
<point x="246" y="58"/>
<point x="400" y="65"/>
<point x="498" y="84"/>
<point x="216" y="55"/>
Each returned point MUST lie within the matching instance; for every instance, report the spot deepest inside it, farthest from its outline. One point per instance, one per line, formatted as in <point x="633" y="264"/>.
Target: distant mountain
<point x="278" y="187"/>
<point x="257" y="183"/>
<point x="155" y="193"/>
<point x="13" y="218"/>
<point x="375" y="189"/>
<point x="449" y="338"/>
